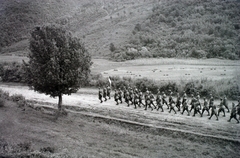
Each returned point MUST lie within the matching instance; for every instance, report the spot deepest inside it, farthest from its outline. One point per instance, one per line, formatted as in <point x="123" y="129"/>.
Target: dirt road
<point x="137" y="131"/>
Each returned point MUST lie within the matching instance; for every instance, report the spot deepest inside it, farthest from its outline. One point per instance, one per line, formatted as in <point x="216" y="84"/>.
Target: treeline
<point x="14" y="72"/>
<point x="204" y="87"/>
<point x="189" y="28"/>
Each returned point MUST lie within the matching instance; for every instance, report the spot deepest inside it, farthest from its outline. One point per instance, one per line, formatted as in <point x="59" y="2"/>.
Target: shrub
<point x="19" y="99"/>
<point x="12" y="72"/>
<point x="203" y="86"/>
<point x="4" y="95"/>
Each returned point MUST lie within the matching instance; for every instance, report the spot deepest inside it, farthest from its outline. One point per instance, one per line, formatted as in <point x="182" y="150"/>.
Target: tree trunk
<point x="60" y="103"/>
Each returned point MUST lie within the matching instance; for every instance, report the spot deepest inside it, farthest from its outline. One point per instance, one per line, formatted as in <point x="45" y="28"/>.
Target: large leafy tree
<point x="58" y="62"/>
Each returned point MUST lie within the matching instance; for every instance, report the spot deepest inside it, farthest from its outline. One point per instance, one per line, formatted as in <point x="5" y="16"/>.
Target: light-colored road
<point x="87" y="100"/>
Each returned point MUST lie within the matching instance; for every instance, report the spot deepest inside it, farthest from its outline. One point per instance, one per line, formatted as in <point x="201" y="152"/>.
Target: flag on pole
<point x="109" y="80"/>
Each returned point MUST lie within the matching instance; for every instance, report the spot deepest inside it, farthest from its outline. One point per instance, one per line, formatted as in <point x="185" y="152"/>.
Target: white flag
<point x="109" y="80"/>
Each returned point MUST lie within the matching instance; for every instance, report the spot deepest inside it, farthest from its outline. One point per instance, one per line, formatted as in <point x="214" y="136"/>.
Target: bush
<point x="12" y="72"/>
<point x="19" y="99"/>
<point x="204" y="87"/>
<point x="4" y="95"/>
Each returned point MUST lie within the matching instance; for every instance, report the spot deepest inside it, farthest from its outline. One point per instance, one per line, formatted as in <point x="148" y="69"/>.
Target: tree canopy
<point x="58" y="62"/>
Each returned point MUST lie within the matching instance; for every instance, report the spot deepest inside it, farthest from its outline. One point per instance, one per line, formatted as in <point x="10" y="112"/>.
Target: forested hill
<point x="128" y="29"/>
<point x="187" y="28"/>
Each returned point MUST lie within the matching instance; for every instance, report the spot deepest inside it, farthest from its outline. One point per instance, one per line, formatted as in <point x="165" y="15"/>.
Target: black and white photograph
<point x="119" y="78"/>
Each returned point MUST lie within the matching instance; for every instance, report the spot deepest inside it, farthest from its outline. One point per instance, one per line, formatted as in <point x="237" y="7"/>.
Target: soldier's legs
<point x="203" y="112"/>
<point x="227" y="108"/>
<point x="221" y="110"/>
<point x="139" y="104"/>
<point x="135" y="105"/>
<point x="100" y="98"/>
<point x="194" y="112"/>
<point x="170" y="110"/>
<point x="178" y="106"/>
<point x="162" y="108"/>
<point x="183" y="110"/>
<point x="199" y="112"/>
<point x="216" y="115"/>
<point x="120" y="99"/>
<point x="145" y="105"/>
<point x="174" y="110"/>
<point x="192" y="107"/>
<point x="211" y="115"/>
<point x="165" y="102"/>
<point x="105" y="98"/>
<point x="153" y="105"/>
<point x="235" y="117"/>
<point x="208" y="112"/>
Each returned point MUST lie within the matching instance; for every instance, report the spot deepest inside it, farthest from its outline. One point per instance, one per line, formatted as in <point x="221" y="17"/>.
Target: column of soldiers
<point x="134" y="96"/>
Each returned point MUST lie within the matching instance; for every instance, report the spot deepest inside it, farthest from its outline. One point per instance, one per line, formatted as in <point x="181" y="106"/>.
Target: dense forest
<point x="180" y="28"/>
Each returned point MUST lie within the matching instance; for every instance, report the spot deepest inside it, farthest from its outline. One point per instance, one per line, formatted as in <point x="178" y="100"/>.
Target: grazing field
<point x="169" y="69"/>
<point x="163" y="69"/>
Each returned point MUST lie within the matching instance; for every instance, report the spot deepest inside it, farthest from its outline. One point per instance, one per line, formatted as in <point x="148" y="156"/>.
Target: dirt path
<point x="92" y="129"/>
<point x="86" y="101"/>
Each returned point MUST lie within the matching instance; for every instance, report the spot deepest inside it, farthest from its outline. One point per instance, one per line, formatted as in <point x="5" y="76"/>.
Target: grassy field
<point x="162" y="69"/>
<point x="169" y="69"/>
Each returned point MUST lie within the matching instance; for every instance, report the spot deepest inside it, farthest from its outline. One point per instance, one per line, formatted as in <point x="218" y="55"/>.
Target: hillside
<point x="199" y="29"/>
<point x="134" y="29"/>
<point x="98" y="23"/>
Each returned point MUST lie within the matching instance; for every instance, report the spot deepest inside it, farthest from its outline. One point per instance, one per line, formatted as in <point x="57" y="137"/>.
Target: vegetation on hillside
<point x="198" y="29"/>
<point x="18" y="18"/>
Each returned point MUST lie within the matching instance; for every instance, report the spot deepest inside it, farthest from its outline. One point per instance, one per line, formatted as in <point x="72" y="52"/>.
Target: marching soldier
<point x="100" y="95"/>
<point x="184" y="97"/>
<point x="131" y="95"/>
<point x="105" y="94"/>
<point x="171" y="105"/>
<point x="152" y="98"/>
<point x="164" y="100"/>
<point x="127" y="100"/>
<point x="193" y="101"/>
<point x="140" y="99"/>
<point x="225" y="103"/>
<point x="136" y="100"/>
<point x="213" y="112"/>
<point x="147" y="101"/>
<point x="116" y="96"/>
<point x="170" y="98"/>
<point x="109" y="92"/>
<point x="159" y="101"/>
<point x="185" y="108"/>
<point x="211" y="101"/>
<point x="197" y="107"/>
<point x="233" y="113"/>
<point x="178" y="102"/>
<point x="221" y="108"/>
<point x="146" y="96"/>
<point x="120" y="95"/>
<point x="205" y="107"/>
